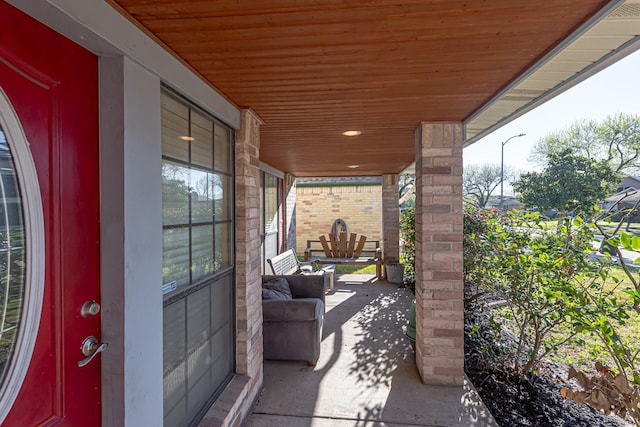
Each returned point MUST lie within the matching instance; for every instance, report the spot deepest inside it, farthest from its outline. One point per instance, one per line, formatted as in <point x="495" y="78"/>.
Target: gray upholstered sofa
<point x="292" y="328"/>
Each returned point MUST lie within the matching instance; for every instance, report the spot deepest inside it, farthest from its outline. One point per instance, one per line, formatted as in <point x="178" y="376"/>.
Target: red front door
<point x="51" y="84"/>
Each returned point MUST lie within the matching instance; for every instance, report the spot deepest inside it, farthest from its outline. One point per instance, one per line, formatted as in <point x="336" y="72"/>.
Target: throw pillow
<point x="279" y="285"/>
<point x="270" y="294"/>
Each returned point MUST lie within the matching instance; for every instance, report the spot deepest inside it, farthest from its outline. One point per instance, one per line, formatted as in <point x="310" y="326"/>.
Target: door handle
<point x="90" y="348"/>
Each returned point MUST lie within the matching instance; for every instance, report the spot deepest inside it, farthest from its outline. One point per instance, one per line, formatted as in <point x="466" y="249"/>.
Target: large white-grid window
<point x="198" y="259"/>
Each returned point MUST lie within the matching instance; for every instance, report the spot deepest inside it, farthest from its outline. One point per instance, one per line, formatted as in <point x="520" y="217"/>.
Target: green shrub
<point x="528" y="271"/>
<point x="408" y="246"/>
<point x="542" y="286"/>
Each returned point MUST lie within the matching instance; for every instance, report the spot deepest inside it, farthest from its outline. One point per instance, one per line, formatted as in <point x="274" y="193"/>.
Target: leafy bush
<point x="529" y="271"/>
<point x="408" y="246"/>
<point x="604" y="312"/>
<point x="545" y="287"/>
<point x="478" y="254"/>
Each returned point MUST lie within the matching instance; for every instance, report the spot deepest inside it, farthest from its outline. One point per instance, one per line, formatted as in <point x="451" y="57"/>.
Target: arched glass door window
<point x="12" y="252"/>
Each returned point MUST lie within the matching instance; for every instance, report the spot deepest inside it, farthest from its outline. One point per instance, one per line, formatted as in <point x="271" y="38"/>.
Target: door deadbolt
<point x="89" y="308"/>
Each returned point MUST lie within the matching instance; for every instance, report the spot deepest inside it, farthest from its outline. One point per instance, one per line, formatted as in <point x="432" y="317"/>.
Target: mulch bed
<point x="516" y="400"/>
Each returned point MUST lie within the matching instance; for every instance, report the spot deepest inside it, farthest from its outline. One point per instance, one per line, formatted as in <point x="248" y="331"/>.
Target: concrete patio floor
<point x="366" y="375"/>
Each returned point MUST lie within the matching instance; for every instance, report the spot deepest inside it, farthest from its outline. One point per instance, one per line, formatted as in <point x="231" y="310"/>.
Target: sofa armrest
<point x="303" y="285"/>
<point x="300" y="309"/>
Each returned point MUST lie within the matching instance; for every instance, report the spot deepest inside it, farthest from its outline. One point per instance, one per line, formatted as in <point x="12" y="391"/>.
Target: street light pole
<point x="502" y="168"/>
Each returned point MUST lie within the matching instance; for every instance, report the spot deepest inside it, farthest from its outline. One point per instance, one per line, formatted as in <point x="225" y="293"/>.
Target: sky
<point x="616" y="89"/>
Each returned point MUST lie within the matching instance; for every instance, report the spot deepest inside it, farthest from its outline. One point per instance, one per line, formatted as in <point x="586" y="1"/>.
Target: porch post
<point x="439" y="284"/>
<point x="390" y="218"/>
<point x="248" y="286"/>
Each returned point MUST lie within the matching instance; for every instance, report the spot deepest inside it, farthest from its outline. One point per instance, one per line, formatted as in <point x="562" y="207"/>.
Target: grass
<point x="355" y="269"/>
<point x="549" y="225"/>
<point x="351" y="269"/>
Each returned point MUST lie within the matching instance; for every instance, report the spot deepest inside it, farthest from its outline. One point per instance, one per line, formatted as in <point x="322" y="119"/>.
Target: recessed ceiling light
<point x="187" y="138"/>
<point x="352" y="133"/>
<point x="353" y="166"/>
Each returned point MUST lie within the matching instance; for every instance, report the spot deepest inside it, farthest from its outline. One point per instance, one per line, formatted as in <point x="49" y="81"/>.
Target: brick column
<point x="233" y="406"/>
<point x="390" y="218"/>
<point x="439" y="283"/>
<point x="248" y="286"/>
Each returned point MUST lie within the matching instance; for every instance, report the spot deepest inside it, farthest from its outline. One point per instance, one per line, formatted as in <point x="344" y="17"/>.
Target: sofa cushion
<point x="270" y="294"/>
<point x="296" y="310"/>
<point x="276" y="289"/>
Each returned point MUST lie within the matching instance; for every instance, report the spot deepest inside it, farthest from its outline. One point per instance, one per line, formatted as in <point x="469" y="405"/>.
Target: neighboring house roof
<point x="511" y="201"/>
<point x="629" y="182"/>
<point x="631" y="195"/>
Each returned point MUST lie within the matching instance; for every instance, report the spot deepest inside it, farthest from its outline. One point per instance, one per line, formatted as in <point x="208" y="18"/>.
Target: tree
<point x="615" y="140"/>
<point x="480" y="181"/>
<point x="569" y="182"/>
<point x="407" y="198"/>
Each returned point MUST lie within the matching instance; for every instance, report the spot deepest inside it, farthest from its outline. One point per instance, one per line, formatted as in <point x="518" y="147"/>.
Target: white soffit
<point x="604" y="40"/>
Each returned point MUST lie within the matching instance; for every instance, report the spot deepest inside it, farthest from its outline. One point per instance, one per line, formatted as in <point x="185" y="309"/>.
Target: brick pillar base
<point x="439" y="283"/>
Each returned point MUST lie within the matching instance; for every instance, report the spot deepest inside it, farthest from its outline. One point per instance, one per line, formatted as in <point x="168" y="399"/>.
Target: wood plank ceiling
<point x="314" y="69"/>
